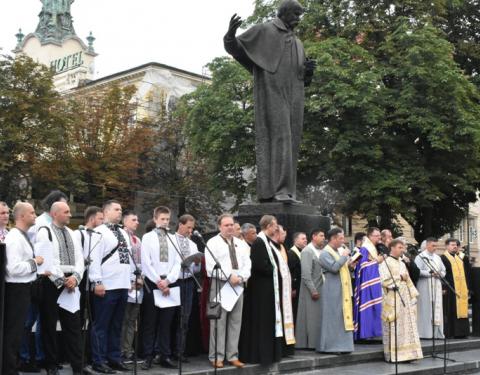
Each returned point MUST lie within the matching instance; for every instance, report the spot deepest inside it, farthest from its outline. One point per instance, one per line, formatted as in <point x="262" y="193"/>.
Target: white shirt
<point x="193" y="249"/>
<point x="91" y="240"/>
<point x="59" y="270"/>
<point x="112" y="274"/>
<point x="21" y="267"/>
<point x="43" y="220"/>
<point x="220" y="250"/>
<point x="152" y="268"/>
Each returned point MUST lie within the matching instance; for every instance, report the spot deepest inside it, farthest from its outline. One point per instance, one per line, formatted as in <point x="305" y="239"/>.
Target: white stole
<point x="288" y="325"/>
<point x="278" y="310"/>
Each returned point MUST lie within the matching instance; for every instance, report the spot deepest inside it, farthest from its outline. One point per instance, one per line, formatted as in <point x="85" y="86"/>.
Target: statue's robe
<point x="276" y="59"/>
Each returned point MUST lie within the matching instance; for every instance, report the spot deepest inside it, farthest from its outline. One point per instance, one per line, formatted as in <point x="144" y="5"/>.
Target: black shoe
<point x="29" y="367"/>
<point x="157" y="360"/>
<point x="85" y="371"/>
<point x="147" y="365"/>
<point x="168" y="363"/>
<point x="184" y="359"/>
<point x="53" y="371"/>
<point x="119" y="366"/>
<point x="103" y="369"/>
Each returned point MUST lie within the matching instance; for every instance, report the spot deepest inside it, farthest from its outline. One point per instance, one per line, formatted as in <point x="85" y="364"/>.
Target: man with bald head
<point x="66" y="274"/>
<point x="33" y="317"/>
<point x="21" y="271"/>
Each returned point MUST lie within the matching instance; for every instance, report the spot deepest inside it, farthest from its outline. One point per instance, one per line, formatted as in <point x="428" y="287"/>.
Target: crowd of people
<point x="260" y="301"/>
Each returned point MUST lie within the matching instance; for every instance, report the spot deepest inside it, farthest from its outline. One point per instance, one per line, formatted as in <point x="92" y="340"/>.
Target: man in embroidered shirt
<point x="130" y="224"/>
<point x="161" y="266"/>
<point x="33" y="317"/>
<point x="21" y="271"/>
<point x="93" y="217"/>
<point x="67" y="270"/>
<point x="232" y="254"/>
<point x="111" y="273"/>
<point x="186" y="224"/>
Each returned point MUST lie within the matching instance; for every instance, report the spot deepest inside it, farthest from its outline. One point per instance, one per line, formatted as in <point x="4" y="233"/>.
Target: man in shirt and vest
<point x="186" y="224"/>
<point x="161" y="267"/>
<point x="233" y="256"/>
<point x="66" y="273"/>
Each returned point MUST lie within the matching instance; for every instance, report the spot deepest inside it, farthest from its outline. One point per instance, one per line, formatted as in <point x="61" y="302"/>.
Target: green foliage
<point x="172" y="174"/>
<point x="104" y="145"/>
<point x="220" y="126"/>
<point x="30" y="127"/>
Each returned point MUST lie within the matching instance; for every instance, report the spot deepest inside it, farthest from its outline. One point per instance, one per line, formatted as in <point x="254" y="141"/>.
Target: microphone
<point x="196" y="233"/>
<point x="83" y="227"/>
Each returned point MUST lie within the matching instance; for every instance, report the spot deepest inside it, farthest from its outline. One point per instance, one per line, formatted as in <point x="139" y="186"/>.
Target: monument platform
<point x="295" y="217"/>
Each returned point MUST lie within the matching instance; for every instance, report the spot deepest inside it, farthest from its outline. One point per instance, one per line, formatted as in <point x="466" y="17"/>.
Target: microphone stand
<point x="88" y="261"/>
<point x="216" y="268"/>
<point x="138" y="275"/>
<point x="185" y="265"/>
<point x="444" y="281"/>
<point x="395" y="289"/>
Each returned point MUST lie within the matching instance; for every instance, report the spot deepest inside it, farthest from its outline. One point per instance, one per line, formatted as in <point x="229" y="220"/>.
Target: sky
<point x="185" y="34"/>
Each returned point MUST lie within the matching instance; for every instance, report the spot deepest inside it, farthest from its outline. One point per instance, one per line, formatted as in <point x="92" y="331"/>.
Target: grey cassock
<point x="333" y="337"/>
<point x="425" y="298"/>
<point x="308" y="315"/>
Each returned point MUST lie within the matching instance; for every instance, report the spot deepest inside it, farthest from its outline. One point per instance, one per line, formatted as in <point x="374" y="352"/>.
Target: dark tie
<point x="233" y="255"/>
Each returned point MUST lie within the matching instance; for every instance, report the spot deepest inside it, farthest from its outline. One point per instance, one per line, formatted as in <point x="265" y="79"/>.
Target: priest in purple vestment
<point x="367" y="309"/>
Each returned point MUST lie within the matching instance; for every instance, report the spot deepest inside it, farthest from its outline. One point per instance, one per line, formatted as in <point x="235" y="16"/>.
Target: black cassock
<point x="295" y="267"/>
<point x="453" y="327"/>
<point x="413" y="270"/>
<point x="258" y="343"/>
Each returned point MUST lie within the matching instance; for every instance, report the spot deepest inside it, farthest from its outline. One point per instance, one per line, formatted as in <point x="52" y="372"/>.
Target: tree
<point x="30" y="125"/>
<point x="105" y="144"/>
<point x="171" y="174"/>
<point x="391" y="119"/>
<point x="219" y="124"/>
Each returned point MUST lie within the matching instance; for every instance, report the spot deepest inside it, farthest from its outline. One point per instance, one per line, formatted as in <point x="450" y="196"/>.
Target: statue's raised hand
<point x="235" y="23"/>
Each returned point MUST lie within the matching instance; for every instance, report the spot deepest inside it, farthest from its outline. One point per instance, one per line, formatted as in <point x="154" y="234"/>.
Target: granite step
<point x="366" y="359"/>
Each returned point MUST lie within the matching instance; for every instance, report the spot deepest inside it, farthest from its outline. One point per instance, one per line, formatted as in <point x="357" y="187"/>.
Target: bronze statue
<point x="276" y="58"/>
<point x="55" y="21"/>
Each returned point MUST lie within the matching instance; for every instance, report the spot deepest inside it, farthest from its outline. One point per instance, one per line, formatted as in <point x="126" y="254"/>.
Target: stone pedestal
<point x="293" y="217"/>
